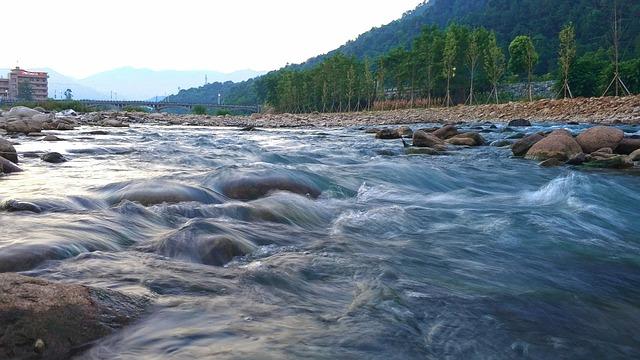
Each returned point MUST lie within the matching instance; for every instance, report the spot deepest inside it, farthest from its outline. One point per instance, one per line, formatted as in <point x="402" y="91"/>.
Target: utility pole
<point x="619" y="84"/>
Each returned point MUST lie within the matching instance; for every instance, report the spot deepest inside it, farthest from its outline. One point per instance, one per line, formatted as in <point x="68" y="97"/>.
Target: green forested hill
<point x="540" y="19"/>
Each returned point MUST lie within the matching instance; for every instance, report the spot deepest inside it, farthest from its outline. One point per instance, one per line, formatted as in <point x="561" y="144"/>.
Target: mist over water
<point x="472" y="254"/>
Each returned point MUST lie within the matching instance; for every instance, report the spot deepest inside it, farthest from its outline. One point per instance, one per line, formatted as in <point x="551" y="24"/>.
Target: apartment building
<point x="38" y="82"/>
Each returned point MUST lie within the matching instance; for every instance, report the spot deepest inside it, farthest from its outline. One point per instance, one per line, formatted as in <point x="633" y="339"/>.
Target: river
<point x="472" y="254"/>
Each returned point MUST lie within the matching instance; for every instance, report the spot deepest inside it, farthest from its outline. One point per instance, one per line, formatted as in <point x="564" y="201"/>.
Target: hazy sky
<point x="82" y="37"/>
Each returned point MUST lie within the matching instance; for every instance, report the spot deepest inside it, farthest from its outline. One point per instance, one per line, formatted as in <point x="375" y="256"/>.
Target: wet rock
<point x="96" y="132"/>
<point x="635" y="156"/>
<point x="114" y="123"/>
<point x="446" y="132"/>
<point x="255" y="187"/>
<point x="51" y="138"/>
<point x="35" y="134"/>
<point x="8" y="166"/>
<point x="627" y="146"/>
<point x="21" y="112"/>
<point x="388" y="134"/>
<point x="467" y="139"/>
<point x="156" y="192"/>
<point x="523" y="145"/>
<point x="45" y="320"/>
<point x="405" y="131"/>
<point x="16" y="205"/>
<point x="53" y="157"/>
<point x="519" y="122"/>
<point x="7" y="151"/>
<point x="501" y="143"/>
<point x="424" y="139"/>
<point x="613" y="162"/>
<point x="560" y="147"/>
<point x="577" y="159"/>
<point x="516" y="136"/>
<point x="551" y="163"/>
<point x="24" y="126"/>
<point x="603" y="151"/>
<point x="600" y="137"/>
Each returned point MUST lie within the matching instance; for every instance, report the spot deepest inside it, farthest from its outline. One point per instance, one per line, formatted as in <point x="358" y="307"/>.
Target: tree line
<point x="456" y="65"/>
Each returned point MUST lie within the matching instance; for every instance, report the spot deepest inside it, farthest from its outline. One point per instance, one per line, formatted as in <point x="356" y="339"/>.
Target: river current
<point x="473" y="254"/>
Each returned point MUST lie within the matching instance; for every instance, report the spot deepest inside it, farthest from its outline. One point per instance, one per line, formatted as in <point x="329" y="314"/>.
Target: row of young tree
<point x="456" y="65"/>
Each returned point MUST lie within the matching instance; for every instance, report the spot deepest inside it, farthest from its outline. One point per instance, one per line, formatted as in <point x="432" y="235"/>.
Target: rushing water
<point x="473" y="254"/>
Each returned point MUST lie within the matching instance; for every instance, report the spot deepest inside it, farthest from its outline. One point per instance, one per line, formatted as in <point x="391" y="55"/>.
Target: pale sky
<point x="82" y="37"/>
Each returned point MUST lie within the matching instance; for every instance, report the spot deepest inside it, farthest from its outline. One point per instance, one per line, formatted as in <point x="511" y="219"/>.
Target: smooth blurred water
<point x="469" y="255"/>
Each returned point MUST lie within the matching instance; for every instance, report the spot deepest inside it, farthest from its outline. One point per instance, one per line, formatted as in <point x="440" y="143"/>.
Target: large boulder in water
<point x="7" y="151"/>
<point x="157" y="192"/>
<point x="600" y="137"/>
<point x="627" y="146"/>
<point x="204" y="242"/>
<point x="8" y="167"/>
<point x="387" y="134"/>
<point x="422" y="138"/>
<point x="561" y="147"/>
<point x="45" y="320"/>
<point x="255" y="187"/>
<point x="21" y="112"/>
<point x="24" y="126"/>
<point x="523" y="145"/>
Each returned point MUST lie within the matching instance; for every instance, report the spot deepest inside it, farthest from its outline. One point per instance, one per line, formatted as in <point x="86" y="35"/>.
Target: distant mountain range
<point x="130" y="83"/>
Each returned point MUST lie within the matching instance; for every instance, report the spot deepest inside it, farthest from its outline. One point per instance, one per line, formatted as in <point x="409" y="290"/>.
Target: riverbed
<point x="468" y="254"/>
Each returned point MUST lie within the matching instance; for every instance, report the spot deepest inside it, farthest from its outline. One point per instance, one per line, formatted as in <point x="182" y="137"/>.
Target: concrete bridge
<point x="155" y="105"/>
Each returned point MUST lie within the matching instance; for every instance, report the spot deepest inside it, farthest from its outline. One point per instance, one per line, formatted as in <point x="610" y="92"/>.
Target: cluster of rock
<point x="24" y="120"/>
<point x="600" y="146"/>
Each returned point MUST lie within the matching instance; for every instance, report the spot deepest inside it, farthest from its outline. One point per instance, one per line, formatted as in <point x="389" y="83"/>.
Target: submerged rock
<point x="53" y="157"/>
<point x="425" y="139"/>
<point x="16" y="205"/>
<point x="600" y="137"/>
<point x="45" y="320"/>
<point x="613" y="162"/>
<point x="51" y="138"/>
<point x="523" y="145"/>
<point x="519" y="122"/>
<point x="7" y="151"/>
<point x="158" y="192"/>
<point x="388" y="134"/>
<point x="561" y="147"/>
<point x="255" y="187"/>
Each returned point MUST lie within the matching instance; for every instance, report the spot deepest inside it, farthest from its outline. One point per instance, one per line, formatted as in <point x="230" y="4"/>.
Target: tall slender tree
<point x="448" y="61"/>
<point x="494" y="64"/>
<point x="567" y="56"/>
<point x="472" y="56"/>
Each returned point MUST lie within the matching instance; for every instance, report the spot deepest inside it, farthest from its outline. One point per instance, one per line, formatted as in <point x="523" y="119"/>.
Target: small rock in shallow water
<point x="627" y="146"/>
<point x="8" y="167"/>
<point x="446" y="132"/>
<point x="615" y="162"/>
<point x="501" y="143"/>
<point x="519" y="122"/>
<point x="7" y="151"/>
<point x="53" y="157"/>
<point x="577" y="159"/>
<point x="51" y="138"/>
<point x="387" y="134"/>
<point x="424" y="139"/>
<point x="635" y="156"/>
<point x="16" y="205"/>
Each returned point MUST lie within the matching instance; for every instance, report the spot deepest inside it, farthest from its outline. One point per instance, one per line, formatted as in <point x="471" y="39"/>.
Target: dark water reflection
<point x="472" y="254"/>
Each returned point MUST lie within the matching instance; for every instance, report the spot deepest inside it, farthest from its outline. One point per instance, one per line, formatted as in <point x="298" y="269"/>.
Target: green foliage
<point x="494" y="64"/>
<point x="68" y="94"/>
<point x="141" y="109"/>
<point x="25" y="91"/>
<point x="567" y="55"/>
<point x="199" y="110"/>
<point x="223" y="112"/>
<point x="523" y="55"/>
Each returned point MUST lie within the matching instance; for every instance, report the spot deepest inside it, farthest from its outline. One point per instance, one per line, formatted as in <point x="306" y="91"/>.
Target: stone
<point x="7" y="151"/>
<point x="604" y="151"/>
<point x="613" y="162"/>
<point x="51" y="138"/>
<point x="387" y="134"/>
<point x="421" y="151"/>
<point x="21" y="112"/>
<point x="215" y="250"/>
<point x="154" y="192"/>
<point x="114" y="123"/>
<point x="635" y="156"/>
<point x="501" y="143"/>
<point x="577" y="159"/>
<point x="627" y="146"/>
<point x="478" y="140"/>
<point x="24" y="126"/>
<point x="255" y="187"/>
<point x="446" y="132"/>
<point x="559" y="147"/>
<point x="40" y="319"/>
<point x="600" y="137"/>
<point x="16" y="205"/>
<point x="53" y="157"/>
<point x="551" y="163"/>
<point x="96" y="132"/>
<point x="8" y="167"/>
<point x="519" y="122"/>
<point x="516" y="136"/>
<point x="523" y="145"/>
<point x="461" y="141"/>
<point x="405" y="131"/>
<point x="424" y="139"/>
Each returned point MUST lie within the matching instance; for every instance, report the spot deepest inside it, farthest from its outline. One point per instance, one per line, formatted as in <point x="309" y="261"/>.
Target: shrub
<point x="199" y="110"/>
